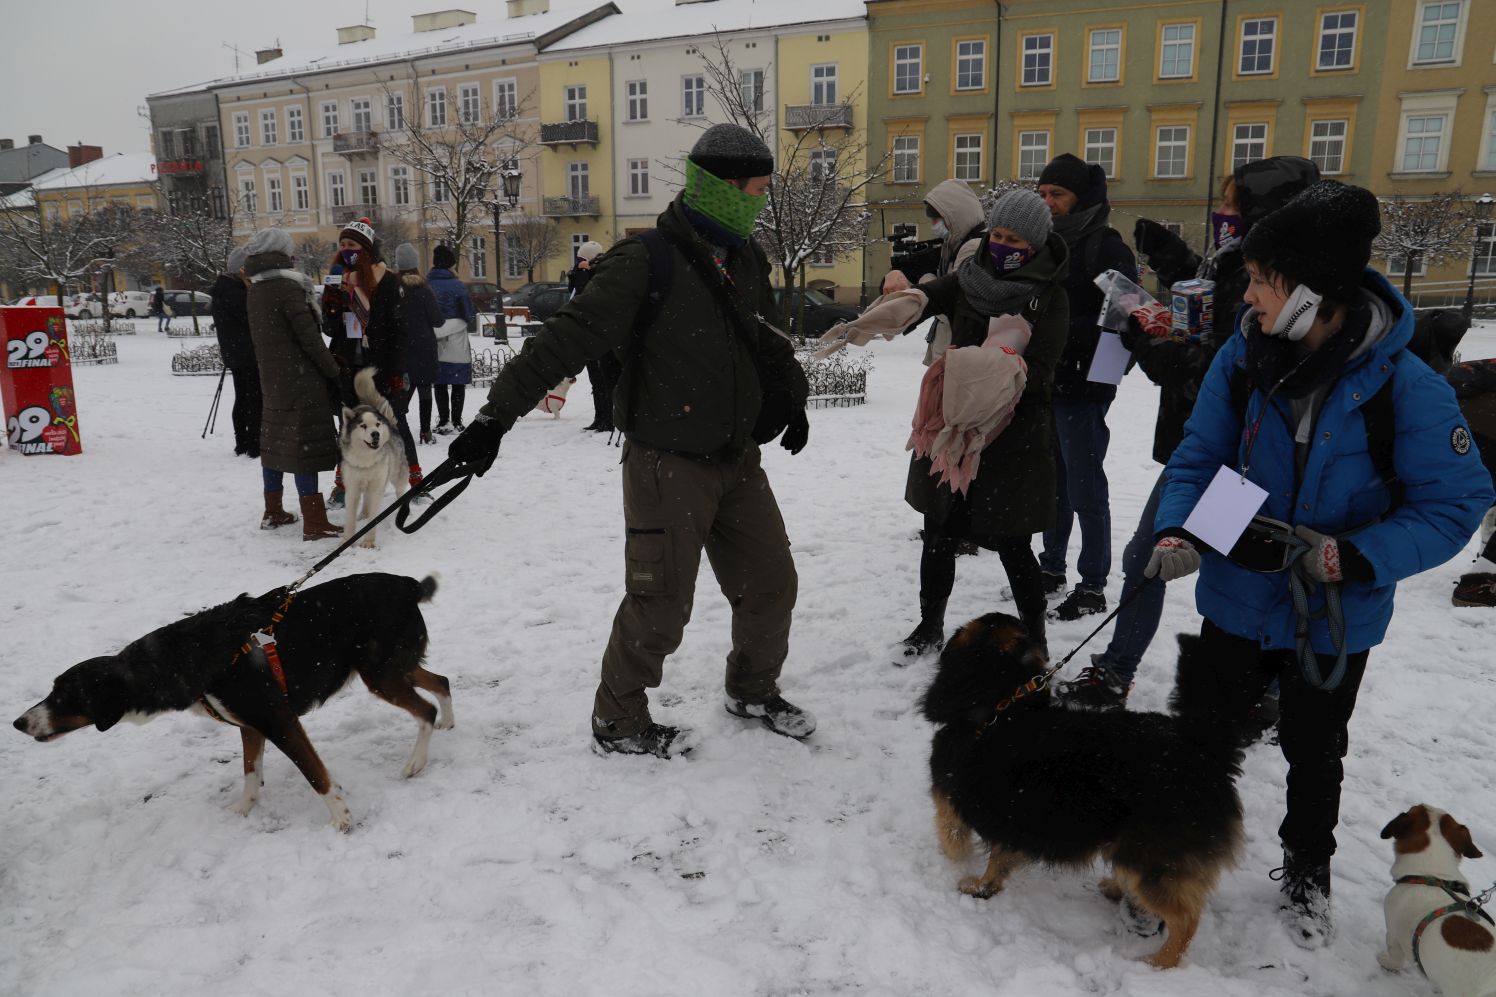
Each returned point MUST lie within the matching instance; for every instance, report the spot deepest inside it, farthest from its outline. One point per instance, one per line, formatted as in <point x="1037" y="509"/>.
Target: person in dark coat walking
<point x="423" y="315"/>
<point x="454" y="351"/>
<point x="299" y="377"/>
<point x="704" y="385"/>
<point x="231" y="323"/>
<point x="1076" y="194"/>
<point x="158" y="309"/>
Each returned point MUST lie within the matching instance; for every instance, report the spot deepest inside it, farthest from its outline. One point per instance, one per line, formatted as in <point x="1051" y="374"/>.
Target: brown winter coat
<point x="1013" y="494"/>
<point x="297" y="433"/>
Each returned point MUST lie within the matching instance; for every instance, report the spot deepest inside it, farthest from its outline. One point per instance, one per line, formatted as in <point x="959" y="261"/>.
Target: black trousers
<point x="937" y="573"/>
<point x="1312" y="727"/>
<point x="249" y="404"/>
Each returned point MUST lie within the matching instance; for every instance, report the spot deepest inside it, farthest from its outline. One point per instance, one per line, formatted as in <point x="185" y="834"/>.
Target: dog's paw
<point x="413" y="768"/>
<point x="445" y="722"/>
<point x="976" y="886"/>
<point x="241" y="807"/>
<point x="367" y="542"/>
<point x="1389" y="962"/>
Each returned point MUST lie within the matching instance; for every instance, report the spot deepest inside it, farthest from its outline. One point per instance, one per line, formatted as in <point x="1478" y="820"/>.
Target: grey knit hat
<point x="732" y="152"/>
<point x="1023" y="212"/>
<point x="269" y="240"/>
<point x="237" y="258"/>
<point x="406" y="257"/>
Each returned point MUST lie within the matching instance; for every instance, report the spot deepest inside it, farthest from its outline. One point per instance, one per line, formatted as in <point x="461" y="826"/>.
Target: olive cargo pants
<point x="673" y="508"/>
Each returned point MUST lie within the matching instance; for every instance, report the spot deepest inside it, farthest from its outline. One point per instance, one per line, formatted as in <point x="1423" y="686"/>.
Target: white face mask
<point x="938" y="227"/>
<point x="1298" y="314"/>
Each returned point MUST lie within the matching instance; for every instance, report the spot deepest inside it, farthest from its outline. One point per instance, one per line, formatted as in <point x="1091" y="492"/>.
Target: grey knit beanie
<point x="406" y="257"/>
<point x="269" y="240"/>
<point x="237" y="258"/>
<point x="732" y="152"/>
<point x="1023" y="212"/>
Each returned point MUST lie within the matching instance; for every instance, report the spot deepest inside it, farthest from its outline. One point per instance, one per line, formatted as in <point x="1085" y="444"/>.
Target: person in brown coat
<point x="297" y="373"/>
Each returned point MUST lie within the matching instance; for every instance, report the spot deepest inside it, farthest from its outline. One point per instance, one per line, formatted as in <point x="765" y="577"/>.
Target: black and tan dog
<point x="1151" y="794"/>
<point x="369" y="624"/>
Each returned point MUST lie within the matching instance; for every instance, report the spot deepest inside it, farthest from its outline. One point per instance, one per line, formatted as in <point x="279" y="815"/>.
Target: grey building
<point x="20" y="164"/>
<point x="189" y="150"/>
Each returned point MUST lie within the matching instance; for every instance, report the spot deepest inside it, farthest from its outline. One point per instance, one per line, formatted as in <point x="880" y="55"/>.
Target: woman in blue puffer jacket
<point x="1287" y="404"/>
<point x="454" y="352"/>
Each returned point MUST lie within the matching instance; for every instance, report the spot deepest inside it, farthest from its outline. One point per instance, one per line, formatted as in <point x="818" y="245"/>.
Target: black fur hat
<point x="1321" y="239"/>
<point x="442" y="256"/>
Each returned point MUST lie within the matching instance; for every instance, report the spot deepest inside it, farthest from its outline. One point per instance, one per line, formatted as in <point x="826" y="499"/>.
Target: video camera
<point x="912" y="257"/>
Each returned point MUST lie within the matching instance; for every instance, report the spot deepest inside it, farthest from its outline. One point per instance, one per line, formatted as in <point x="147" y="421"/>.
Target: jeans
<point x="306" y="483"/>
<point x="1137" y="621"/>
<point x="1081" y="438"/>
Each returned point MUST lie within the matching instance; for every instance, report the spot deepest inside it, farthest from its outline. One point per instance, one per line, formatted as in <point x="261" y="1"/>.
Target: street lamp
<point x="508" y="187"/>
<point x="1483" y="205"/>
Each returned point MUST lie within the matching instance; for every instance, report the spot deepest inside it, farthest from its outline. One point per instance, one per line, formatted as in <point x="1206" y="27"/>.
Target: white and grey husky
<point x="373" y="455"/>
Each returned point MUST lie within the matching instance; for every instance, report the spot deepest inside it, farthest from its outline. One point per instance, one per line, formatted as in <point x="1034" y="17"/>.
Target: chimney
<point x="80" y="154"/>
<point x="33" y="140"/>
<point x="264" y="55"/>
<point x="439" y="20"/>
<point x="519" y="8"/>
<point x="355" y="33"/>
<point x="7" y="143"/>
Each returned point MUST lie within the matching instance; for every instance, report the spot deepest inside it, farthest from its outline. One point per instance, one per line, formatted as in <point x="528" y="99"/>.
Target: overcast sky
<point x="80" y="71"/>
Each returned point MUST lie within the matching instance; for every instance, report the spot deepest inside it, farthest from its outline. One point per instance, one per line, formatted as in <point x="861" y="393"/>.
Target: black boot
<point x="1305" y="907"/>
<point x="1035" y="626"/>
<point x="928" y="637"/>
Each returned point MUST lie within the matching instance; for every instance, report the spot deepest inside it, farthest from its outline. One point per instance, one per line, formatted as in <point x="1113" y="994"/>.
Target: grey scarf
<point x="989" y="294"/>
<point x="295" y="275"/>
<point x="1074" y="227"/>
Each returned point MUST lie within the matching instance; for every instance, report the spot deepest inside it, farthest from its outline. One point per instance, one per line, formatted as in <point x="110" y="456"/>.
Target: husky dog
<point x="373" y="455"/>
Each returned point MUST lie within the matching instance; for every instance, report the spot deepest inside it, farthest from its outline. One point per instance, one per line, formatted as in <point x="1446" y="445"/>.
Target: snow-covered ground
<point x="519" y="862"/>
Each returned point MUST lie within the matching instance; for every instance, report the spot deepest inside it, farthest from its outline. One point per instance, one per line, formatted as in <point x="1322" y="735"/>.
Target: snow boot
<point x="927" y="638"/>
<point x="314" y="524"/>
<point x="777" y="714"/>
<point x="655" y="739"/>
<point x="1478" y="588"/>
<point x="335" y="497"/>
<point x="275" y="514"/>
<point x="1097" y="688"/>
<point x="1305" y="907"/>
<point x="1080" y="602"/>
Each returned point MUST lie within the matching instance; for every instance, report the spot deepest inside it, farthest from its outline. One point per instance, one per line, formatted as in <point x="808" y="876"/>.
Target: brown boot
<point x="314" y="524"/>
<point x="275" y="514"/>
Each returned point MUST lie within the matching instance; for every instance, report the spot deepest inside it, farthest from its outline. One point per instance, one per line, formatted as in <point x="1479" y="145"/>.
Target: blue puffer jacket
<point x="452" y="294"/>
<point x="1447" y="489"/>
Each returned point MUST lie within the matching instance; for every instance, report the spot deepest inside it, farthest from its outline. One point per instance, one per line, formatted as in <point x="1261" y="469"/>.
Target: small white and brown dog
<point x="555" y="398"/>
<point x="373" y="455"/>
<point x="1425" y="910"/>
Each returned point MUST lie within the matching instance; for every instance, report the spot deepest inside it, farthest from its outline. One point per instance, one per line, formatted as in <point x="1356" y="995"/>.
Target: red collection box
<point x="36" y="382"/>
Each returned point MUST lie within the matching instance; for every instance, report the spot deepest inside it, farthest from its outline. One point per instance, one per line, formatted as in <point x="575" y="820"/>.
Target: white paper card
<point x="352" y="328"/>
<point x="1109" y="362"/>
<point x="1223" y="512"/>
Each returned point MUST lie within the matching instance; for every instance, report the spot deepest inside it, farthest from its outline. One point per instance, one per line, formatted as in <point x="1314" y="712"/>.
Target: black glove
<point x="773" y="416"/>
<point x="1133" y="334"/>
<point x="1167" y="253"/>
<point x="477" y="446"/>
<point x="797" y="433"/>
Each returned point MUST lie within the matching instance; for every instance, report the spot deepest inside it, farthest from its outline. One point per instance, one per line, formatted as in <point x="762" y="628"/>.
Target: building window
<point x="478" y="256"/>
<point x="247" y="199"/>
<point x="188" y="143"/>
<point x="469" y="107"/>
<point x="1259" y="38"/>
<point x="1485" y="248"/>
<point x="506" y="99"/>
<point x="1101" y="149"/>
<point x="576" y="103"/>
<point x="638" y="177"/>
<point x="1176" y="55"/>
<point x="823" y="84"/>
<point x="1438" y="26"/>
<point x="273" y="194"/>
<point x="394" y="112"/>
<point x="577" y="185"/>
<point x="400" y="185"/>
<point x="578" y="239"/>
<point x="329" y="118"/>
<point x="971" y="64"/>
<point x="908" y="68"/>
<point x="241" y="129"/>
<point x="300" y="195"/>
<point x="1491" y="142"/>
<point x="693" y="96"/>
<point x="1327" y="145"/>
<point x="751" y="85"/>
<point x="512" y="268"/>
<point x="822" y="165"/>
<point x="638" y="100"/>
<point x="362" y="111"/>
<point x="1033" y="154"/>
<point x="211" y="148"/>
<point x="267" y="126"/>
<point x="368" y="187"/>
<point x="1038" y="60"/>
<point x="167" y="144"/>
<point x="1248" y="144"/>
<point x="337" y="194"/>
<point x="436" y="108"/>
<point x="295" y="125"/>
<point x="1397" y="266"/>
<point x="441" y="193"/>
<point x="906" y="159"/>
<point x="1105" y="62"/>
<point x="968" y="157"/>
<point x="1172" y="155"/>
<point x="1337" y="40"/>
<point x="1424" y="136"/>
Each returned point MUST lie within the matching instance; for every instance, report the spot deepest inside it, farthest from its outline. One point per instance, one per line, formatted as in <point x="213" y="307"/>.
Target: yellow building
<point x="125" y="179"/>
<point x="576" y="152"/>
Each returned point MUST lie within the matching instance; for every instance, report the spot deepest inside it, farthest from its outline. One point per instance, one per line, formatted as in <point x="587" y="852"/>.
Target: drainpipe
<point x="1215" y="120"/>
<point x="997" y="63"/>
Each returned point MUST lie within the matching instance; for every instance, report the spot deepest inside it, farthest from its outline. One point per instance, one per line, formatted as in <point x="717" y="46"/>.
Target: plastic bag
<point x="1122" y="296"/>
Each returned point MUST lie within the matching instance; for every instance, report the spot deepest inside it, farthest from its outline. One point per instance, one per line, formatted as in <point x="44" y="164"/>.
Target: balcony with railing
<point x="802" y="117"/>
<point x="569" y="133"/>
<point x="571" y="207"/>
<point x="356" y="143"/>
<point x="346" y="213"/>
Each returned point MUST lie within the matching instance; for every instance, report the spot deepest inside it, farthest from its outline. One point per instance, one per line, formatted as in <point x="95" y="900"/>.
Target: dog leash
<point x="1462" y="903"/>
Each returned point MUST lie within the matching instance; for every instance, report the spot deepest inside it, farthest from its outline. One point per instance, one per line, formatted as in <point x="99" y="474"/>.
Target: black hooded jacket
<point x="231" y="322"/>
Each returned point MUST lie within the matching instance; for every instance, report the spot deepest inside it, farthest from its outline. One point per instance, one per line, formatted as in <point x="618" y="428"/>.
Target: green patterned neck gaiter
<point x="722" y="202"/>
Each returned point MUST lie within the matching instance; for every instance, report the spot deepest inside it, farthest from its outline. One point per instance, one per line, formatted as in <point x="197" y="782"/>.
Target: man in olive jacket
<point x="704" y="381"/>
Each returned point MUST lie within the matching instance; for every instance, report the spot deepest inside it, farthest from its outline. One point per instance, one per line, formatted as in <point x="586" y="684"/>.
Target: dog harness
<point x="261" y="640"/>
<point x="1463" y="903"/>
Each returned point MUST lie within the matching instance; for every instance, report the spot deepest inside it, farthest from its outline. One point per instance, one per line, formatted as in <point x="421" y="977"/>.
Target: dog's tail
<point x="426" y="588"/>
<point x="365" y="388"/>
<point x="1200" y="701"/>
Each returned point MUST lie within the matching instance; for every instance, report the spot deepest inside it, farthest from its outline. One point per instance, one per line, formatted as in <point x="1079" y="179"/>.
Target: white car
<point x="130" y="304"/>
<point x="83" y="306"/>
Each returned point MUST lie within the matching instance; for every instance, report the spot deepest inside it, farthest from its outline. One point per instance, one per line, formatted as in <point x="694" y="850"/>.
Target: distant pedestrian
<point x="454" y="351"/>
<point x="160" y="309"/>
<point x="231" y="324"/>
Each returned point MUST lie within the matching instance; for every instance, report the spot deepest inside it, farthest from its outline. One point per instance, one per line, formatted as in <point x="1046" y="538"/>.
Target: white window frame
<point x="1407" y="136"/>
<point x="578" y="180"/>
<point x="512" y="268"/>
<point x="249" y="199"/>
<point x="477" y="257"/>
<point x="361" y="114"/>
<point x="506" y="98"/>
<point x="1247" y="138"/>
<point x="575" y="101"/>
<point x="469" y="103"/>
<point x="441" y="192"/>
<point x="1485" y="261"/>
<point x="637" y="92"/>
<point x="1100" y="147"/>
<point x="1332" y="147"/>
<point x="269" y="126"/>
<point x="400" y="186"/>
<point x="638" y="172"/>
<point x="275" y="198"/>
<point x="819" y="160"/>
<point x="337" y="189"/>
<point x="578" y="240"/>
<point x="971" y="65"/>
<point x="436" y="107"/>
<point x="1033" y="155"/>
<point x="368" y="186"/>
<point x="1169" y="50"/>
<point x="1454" y="37"/>
<point x="962" y="167"/>
<point x="301" y="193"/>
<point x="1110" y="52"/>
<point x="1175" y="143"/>
<point x="693" y="96"/>
<point x="241" y="129"/>
<point x="295" y="125"/>
<point x="751" y="88"/>
<point x="328" y="111"/>
<point x="823" y="84"/>
<point x="904" y="159"/>
<point x="1258" y="40"/>
<point x="908" y="69"/>
<point x="1397" y="265"/>
<point x="1488" y="139"/>
<point x="394" y="112"/>
<point x="1038" y="60"/>
<point x="1339" y="30"/>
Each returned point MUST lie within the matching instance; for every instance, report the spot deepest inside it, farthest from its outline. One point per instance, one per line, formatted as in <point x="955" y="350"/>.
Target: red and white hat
<point x="361" y="231"/>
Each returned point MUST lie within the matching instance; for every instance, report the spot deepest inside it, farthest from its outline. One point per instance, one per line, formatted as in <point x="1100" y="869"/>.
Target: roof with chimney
<point x="111" y="171"/>
<point x="22" y="163"/>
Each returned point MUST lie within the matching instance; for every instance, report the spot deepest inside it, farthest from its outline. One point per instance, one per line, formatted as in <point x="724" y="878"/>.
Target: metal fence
<point x="203" y="359"/>
<point x="88" y="344"/>
<point x="488" y="363"/>
<point x="839" y="380"/>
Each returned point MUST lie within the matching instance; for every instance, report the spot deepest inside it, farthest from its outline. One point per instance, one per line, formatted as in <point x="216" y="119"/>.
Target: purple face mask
<point x="1224" y="226"/>
<point x="349" y="257"/>
<point x="1006" y="259"/>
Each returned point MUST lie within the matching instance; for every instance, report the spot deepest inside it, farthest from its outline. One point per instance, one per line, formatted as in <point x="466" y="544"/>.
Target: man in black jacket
<point x="704" y="382"/>
<point x="230" y="312"/>
<point x="1076" y="194"/>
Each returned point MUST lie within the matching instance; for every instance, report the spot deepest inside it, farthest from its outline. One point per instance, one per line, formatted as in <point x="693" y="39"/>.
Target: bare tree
<point x="530" y="240"/>
<point x="42" y="248"/>
<point x="1428" y="230"/>
<point x="312" y="255"/>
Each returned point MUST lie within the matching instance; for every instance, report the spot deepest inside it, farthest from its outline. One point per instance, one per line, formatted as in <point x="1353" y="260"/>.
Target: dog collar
<point x="1454" y="887"/>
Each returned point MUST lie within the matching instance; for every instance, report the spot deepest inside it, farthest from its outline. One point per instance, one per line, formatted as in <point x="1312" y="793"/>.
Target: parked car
<point x="83" y="306"/>
<point x="37" y="301"/>
<point x="130" y="304"/>
<point x="486" y="295"/>
<point x="182" y="303"/>
<point x="524" y="296"/>
<point x="821" y="313"/>
<point x="547" y="301"/>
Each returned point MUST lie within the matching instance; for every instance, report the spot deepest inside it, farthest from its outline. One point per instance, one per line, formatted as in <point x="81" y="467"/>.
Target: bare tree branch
<point x="530" y="240"/>
<point x="1429" y="230"/>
